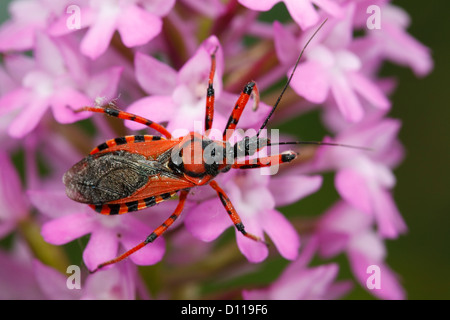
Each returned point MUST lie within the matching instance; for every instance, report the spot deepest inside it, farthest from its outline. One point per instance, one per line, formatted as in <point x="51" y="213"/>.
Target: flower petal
<point x="97" y="38"/>
<point x="65" y="101"/>
<point x="137" y="26"/>
<point x="104" y="84"/>
<point x="208" y="220"/>
<point x="281" y="232"/>
<point x="67" y="228"/>
<point x="28" y="118"/>
<point x="311" y="81"/>
<point x="155" y="108"/>
<point x="368" y="90"/>
<point x="154" y="76"/>
<point x="346" y="99"/>
<point x="260" y="5"/>
<point x="390" y="287"/>
<point x="47" y="201"/>
<point x="389" y="220"/>
<point x="302" y="12"/>
<point x="102" y="246"/>
<point x="53" y="283"/>
<point x="254" y="251"/>
<point x="353" y="187"/>
<point x="134" y="232"/>
<point x="289" y="189"/>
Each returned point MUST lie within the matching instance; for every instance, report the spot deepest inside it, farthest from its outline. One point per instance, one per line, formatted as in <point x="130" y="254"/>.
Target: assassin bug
<point x="135" y="172"/>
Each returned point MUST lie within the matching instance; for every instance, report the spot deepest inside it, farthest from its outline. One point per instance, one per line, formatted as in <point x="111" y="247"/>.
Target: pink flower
<point x="109" y="234"/>
<point x="391" y="41"/>
<point x="364" y="178"/>
<point x="299" y="282"/>
<point x="332" y="70"/>
<point x="254" y="197"/>
<point x="55" y="78"/>
<point x="137" y="22"/>
<point x="118" y="283"/>
<point x="14" y="205"/>
<point x="346" y="229"/>
<point x="16" y="274"/>
<point x="302" y="11"/>
<point x="28" y="18"/>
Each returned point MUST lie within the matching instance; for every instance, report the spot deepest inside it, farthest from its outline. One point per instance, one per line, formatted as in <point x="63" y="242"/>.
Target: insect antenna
<point x="318" y="143"/>
<point x="289" y="79"/>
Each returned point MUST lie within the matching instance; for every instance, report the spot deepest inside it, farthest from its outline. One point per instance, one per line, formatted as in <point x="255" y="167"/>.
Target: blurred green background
<point x="420" y="257"/>
<point x="422" y="193"/>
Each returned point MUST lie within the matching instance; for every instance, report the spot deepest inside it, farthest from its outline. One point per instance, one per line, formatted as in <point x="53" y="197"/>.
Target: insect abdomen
<point x="105" y="177"/>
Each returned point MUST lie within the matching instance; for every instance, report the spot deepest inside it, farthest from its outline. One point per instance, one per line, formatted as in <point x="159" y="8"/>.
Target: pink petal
<point x="102" y="246"/>
<point x="281" y="232"/>
<point x="155" y="108"/>
<point x="354" y="188"/>
<point x="14" y="100"/>
<point x="332" y="243"/>
<point x="158" y="7"/>
<point x="330" y="7"/>
<point x="368" y="90"/>
<point x="104" y="84"/>
<point x="18" y="66"/>
<point x="29" y="118"/>
<point x="13" y="205"/>
<point x="283" y="40"/>
<point x="48" y="56"/>
<point x="53" y="283"/>
<point x="346" y="99"/>
<point x="404" y="49"/>
<point x="208" y="220"/>
<point x="137" y="26"/>
<point x="389" y="220"/>
<point x="67" y="228"/>
<point x="97" y="38"/>
<point x="260" y="5"/>
<point x="154" y="76"/>
<point x="302" y="12"/>
<point x="254" y="251"/>
<point x="47" y="201"/>
<point x="311" y="81"/>
<point x="117" y="283"/>
<point x="59" y="26"/>
<point x="134" y="232"/>
<point x="16" y="36"/>
<point x="196" y="69"/>
<point x="289" y="189"/>
<point x="65" y="101"/>
<point x="390" y="287"/>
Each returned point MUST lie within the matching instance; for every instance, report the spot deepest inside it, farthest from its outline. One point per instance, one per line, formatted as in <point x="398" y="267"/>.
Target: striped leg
<point x="209" y="114"/>
<point x="155" y="234"/>
<point x="128" y="116"/>
<point x="276" y="159"/>
<point x="250" y="89"/>
<point x="233" y="213"/>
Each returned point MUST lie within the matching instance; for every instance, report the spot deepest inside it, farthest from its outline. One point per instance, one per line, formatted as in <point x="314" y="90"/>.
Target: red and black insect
<point x="136" y="172"/>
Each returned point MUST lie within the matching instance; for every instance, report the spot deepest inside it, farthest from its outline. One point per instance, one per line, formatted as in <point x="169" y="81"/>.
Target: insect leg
<point x="250" y="89"/>
<point x="155" y="234"/>
<point x="127" y="116"/>
<point x="209" y="114"/>
<point x="266" y="161"/>
<point x="233" y="213"/>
